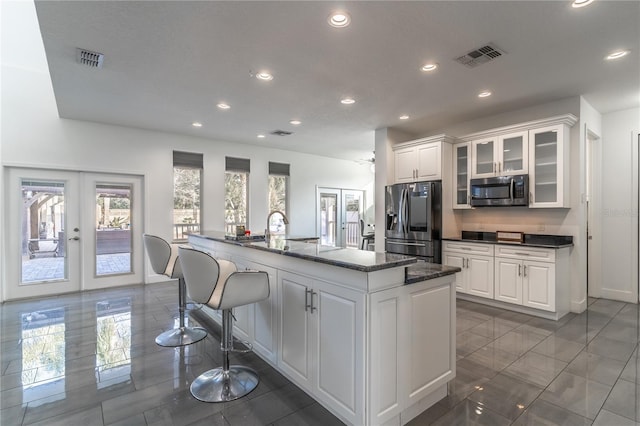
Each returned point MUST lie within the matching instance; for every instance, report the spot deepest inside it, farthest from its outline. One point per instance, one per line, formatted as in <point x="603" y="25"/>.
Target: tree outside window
<point x="236" y="192"/>
<point x="186" y="201"/>
<point x="278" y="185"/>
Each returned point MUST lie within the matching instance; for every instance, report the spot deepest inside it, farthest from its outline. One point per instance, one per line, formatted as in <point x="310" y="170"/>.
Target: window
<point x="278" y="195"/>
<point x="236" y="190"/>
<point x="187" y="187"/>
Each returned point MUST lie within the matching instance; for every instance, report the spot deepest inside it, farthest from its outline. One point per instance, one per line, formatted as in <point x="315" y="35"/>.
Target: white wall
<point x="619" y="204"/>
<point x="33" y="135"/>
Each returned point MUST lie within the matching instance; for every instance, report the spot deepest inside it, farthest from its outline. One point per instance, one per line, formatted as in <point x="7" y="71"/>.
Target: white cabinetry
<point x="418" y="163"/>
<point x="526" y="276"/>
<point x="476" y="262"/>
<point x="421" y="159"/>
<point x="549" y="174"/>
<point x="500" y="155"/>
<point x="461" y="175"/>
<point x="410" y="317"/>
<point x="322" y="340"/>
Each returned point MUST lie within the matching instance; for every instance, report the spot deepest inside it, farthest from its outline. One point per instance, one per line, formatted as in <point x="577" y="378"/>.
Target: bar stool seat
<point x="164" y="260"/>
<point x="219" y="285"/>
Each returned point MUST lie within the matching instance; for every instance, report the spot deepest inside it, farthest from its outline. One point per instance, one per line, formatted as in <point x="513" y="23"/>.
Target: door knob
<point x="74" y="238"/>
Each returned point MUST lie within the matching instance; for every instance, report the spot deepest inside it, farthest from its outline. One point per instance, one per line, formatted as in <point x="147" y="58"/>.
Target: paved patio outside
<point x="52" y="268"/>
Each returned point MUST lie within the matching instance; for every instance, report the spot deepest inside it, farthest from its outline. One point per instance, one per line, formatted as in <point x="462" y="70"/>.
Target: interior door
<point x="52" y="241"/>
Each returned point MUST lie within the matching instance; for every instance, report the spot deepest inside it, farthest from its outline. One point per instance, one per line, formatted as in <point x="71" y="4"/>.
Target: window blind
<point x="278" y="169"/>
<point x="187" y="159"/>
<point x="233" y="164"/>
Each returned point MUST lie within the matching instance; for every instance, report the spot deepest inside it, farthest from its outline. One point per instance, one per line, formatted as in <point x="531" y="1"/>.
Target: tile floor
<point x="91" y="359"/>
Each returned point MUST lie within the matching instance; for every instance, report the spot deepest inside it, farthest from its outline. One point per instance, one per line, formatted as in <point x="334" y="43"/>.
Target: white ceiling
<point x="168" y="64"/>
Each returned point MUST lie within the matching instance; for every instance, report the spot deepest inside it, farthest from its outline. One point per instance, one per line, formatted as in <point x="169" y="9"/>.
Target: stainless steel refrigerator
<point x="413" y="220"/>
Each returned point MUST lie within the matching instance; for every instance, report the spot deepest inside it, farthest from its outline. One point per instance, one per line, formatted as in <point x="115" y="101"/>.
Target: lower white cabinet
<point x="476" y="262"/>
<point x="526" y="276"/>
<point x="322" y="343"/>
<point x="406" y="367"/>
<point x="533" y="277"/>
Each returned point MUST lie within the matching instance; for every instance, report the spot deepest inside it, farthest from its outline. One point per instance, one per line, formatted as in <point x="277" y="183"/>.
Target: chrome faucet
<point x="267" y="232"/>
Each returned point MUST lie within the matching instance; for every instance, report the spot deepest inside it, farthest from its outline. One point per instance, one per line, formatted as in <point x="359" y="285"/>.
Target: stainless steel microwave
<point x="500" y="191"/>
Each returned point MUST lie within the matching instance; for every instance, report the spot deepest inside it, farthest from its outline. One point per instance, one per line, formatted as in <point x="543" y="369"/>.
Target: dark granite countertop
<point x="295" y="246"/>
<point x="530" y="240"/>
<point x="423" y="271"/>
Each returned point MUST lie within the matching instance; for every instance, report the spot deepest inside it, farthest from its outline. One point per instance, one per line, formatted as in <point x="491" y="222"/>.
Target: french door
<point x="338" y="216"/>
<point x="70" y="231"/>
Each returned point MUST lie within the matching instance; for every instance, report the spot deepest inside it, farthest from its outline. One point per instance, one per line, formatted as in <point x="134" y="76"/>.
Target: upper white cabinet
<point x="538" y="148"/>
<point x="500" y="155"/>
<point x="549" y="177"/>
<point x="461" y="175"/>
<point x="421" y="159"/>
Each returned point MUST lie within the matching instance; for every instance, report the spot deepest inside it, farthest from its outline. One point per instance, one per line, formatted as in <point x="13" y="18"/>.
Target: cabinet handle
<point x="530" y="198"/>
<point x="466" y="248"/>
<point x="306" y="299"/>
<point x="525" y="270"/>
<point x="313" y="308"/>
<point x="494" y="167"/>
<point x="519" y="270"/>
<point x="467" y="263"/>
<point x="522" y="254"/>
<point x="499" y="167"/>
<point x="469" y="199"/>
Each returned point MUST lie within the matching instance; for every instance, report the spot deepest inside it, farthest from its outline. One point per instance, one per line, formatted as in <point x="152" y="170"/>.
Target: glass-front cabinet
<point x="461" y="169"/>
<point x="484" y="157"/>
<point x="503" y="155"/>
<point x="549" y="166"/>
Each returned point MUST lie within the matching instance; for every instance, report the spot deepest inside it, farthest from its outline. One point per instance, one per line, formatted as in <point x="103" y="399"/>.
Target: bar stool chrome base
<point x="217" y="386"/>
<point x="181" y="336"/>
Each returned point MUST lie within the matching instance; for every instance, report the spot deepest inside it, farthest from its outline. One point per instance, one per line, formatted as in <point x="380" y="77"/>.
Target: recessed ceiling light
<point x="348" y="101"/>
<point x="339" y="19"/>
<point x="581" y="3"/>
<point x="617" y="55"/>
<point x="295" y="122"/>
<point x="261" y="136"/>
<point x="484" y="94"/>
<point x="429" y="67"/>
<point x="196" y="124"/>
<point x="264" y="75"/>
<point x="222" y="105"/>
<point x="404" y="117"/>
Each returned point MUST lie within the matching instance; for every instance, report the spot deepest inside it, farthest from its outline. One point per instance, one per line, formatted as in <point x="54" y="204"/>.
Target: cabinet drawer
<point x="469" y="248"/>
<point x="526" y="253"/>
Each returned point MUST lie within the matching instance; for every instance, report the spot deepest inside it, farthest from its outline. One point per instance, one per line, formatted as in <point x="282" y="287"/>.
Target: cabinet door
<point x="294" y="354"/>
<point x="429" y="161"/>
<point x="461" y="169"/>
<point x="265" y="318"/>
<point x="457" y="260"/>
<point x="339" y="348"/>
<point x="405" y="165"/>
<point x="480" y="276"/>
<point x="539" y="285"/>
<point x="431" y="319"/>
<point x="508" y="283"/>
<point x="546" y="173"/>
<point x="514" y="154"/>
<point x="484" y="158"/>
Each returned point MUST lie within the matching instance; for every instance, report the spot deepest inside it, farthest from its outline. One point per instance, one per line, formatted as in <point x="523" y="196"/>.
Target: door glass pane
<point x="328" y="216"/>
<point x="113" y="229"/>
<point x="43" y="220"/>
<point x="546" y="167"/>
<point x="512" y="153"/>
<point x="484" y="160"/>
<point x="113" y="341"/>
<point x="352" y="203"/>
<point x="461" y="176"/>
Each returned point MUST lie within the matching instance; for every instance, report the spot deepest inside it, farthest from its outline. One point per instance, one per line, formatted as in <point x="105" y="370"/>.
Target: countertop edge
<point x="504" y="243"/>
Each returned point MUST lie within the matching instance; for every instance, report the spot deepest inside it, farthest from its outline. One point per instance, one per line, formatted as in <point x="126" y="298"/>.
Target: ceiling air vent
<point x="89" y="58"/>
<point x="281" y="133"/>
<point x="480" y="56"/>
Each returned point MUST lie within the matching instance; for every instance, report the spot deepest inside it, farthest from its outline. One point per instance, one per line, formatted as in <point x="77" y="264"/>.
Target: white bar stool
<point x="164" y="260"/>
<point x="218" y="284"/>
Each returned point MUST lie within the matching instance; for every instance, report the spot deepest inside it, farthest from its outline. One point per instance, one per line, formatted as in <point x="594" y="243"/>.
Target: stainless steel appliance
<point x="413" y="220"/>
<point x="500" y="191"/>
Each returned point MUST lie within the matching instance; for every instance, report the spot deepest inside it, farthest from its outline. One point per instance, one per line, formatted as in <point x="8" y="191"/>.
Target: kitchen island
<point x="370" y="339"/>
